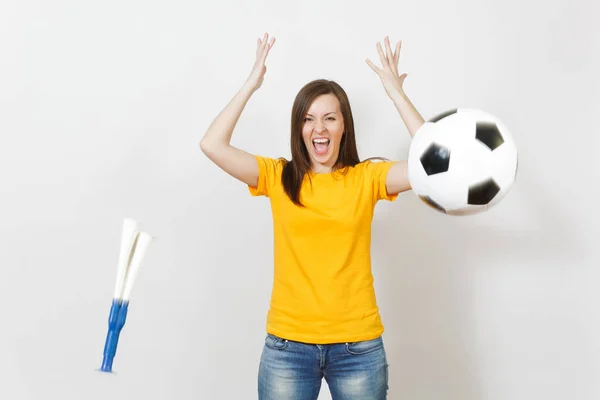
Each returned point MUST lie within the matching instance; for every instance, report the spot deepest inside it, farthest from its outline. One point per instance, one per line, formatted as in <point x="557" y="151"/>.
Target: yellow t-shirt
<point x="323" y="286"/>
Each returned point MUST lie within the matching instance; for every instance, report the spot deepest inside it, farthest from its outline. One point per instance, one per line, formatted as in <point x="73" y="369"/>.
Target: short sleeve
<point x="269" y="175"/>
<point x="377" y="173"/>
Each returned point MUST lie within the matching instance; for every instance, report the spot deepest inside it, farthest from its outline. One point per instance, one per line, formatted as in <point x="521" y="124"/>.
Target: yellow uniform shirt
<point x="323" y="286"/>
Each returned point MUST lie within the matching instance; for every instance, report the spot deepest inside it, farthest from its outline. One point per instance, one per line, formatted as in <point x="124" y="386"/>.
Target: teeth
<point x="321" y="140"/>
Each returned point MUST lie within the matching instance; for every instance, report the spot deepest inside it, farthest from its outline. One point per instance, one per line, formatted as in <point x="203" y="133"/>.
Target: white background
<point x="102" y="107"/>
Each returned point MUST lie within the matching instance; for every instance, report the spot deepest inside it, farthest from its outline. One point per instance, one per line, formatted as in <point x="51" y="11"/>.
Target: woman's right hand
<point x="257" y="75"/>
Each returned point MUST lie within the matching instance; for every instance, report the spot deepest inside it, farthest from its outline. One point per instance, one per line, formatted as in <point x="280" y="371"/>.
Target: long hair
<point x="294" y="170"/>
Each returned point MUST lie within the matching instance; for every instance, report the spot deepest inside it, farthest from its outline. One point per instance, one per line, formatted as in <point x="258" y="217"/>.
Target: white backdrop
<point x="103" y="105"/>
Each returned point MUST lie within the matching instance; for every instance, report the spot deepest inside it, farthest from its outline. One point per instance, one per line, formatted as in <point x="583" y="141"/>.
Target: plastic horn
<point x="133" y="248"/>
<point x="128" y="237"/>
<point x="142" y="243"/>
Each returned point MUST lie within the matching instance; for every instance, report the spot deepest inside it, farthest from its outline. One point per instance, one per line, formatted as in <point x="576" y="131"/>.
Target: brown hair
<point x="294" y="170"/>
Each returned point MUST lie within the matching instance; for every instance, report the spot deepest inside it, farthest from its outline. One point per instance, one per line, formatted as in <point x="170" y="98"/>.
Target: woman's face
<point x="322" y="132"/>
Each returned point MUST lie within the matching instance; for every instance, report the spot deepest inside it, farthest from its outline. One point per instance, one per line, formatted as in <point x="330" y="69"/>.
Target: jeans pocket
<point x="275" y="342"/>
<point x="365" y="346"/>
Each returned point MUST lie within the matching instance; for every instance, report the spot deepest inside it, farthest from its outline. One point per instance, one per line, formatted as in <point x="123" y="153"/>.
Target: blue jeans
<point x="293" y="371"/>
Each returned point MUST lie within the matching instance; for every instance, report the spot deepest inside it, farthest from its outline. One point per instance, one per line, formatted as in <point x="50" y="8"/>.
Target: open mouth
<point x="321" y="145"/>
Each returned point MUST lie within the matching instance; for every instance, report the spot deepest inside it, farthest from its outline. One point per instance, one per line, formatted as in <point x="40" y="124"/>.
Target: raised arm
<point x="397" y="177"/>
<point x="216" y="141"/>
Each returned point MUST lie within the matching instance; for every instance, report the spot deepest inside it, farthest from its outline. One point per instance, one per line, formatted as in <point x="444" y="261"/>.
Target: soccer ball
<point x="462" y="161"/>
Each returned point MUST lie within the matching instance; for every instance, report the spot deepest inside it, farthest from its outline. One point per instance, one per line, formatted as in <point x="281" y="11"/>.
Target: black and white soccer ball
<point x="462" y="161"/>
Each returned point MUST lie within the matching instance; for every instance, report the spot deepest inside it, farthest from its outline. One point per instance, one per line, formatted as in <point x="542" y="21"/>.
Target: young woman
<point x="323" y="320"/>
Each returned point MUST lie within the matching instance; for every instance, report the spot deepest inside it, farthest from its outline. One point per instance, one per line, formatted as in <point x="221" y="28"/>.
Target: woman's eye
<point x="310" y="119"/>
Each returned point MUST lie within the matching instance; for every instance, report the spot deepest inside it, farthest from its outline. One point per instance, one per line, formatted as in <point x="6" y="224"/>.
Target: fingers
<point x="397" y="53"/>
<point x="271" y="43"/>
<point x="267" y="49"/>
<point x="389" y="57"/>
<point x="265" y="43"/>
<point x="373" y="67"/>
<point x="263" y="46"/>
<point x="258" y="47"/>
<point x="388" y="49"/>
<point x="382" y="56"/>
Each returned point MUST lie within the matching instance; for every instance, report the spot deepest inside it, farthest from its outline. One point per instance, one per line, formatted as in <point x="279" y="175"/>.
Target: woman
<point x="323" y="321"/>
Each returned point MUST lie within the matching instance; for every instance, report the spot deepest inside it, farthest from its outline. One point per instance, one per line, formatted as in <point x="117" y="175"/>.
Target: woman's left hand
<point x="391" y="80"/>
